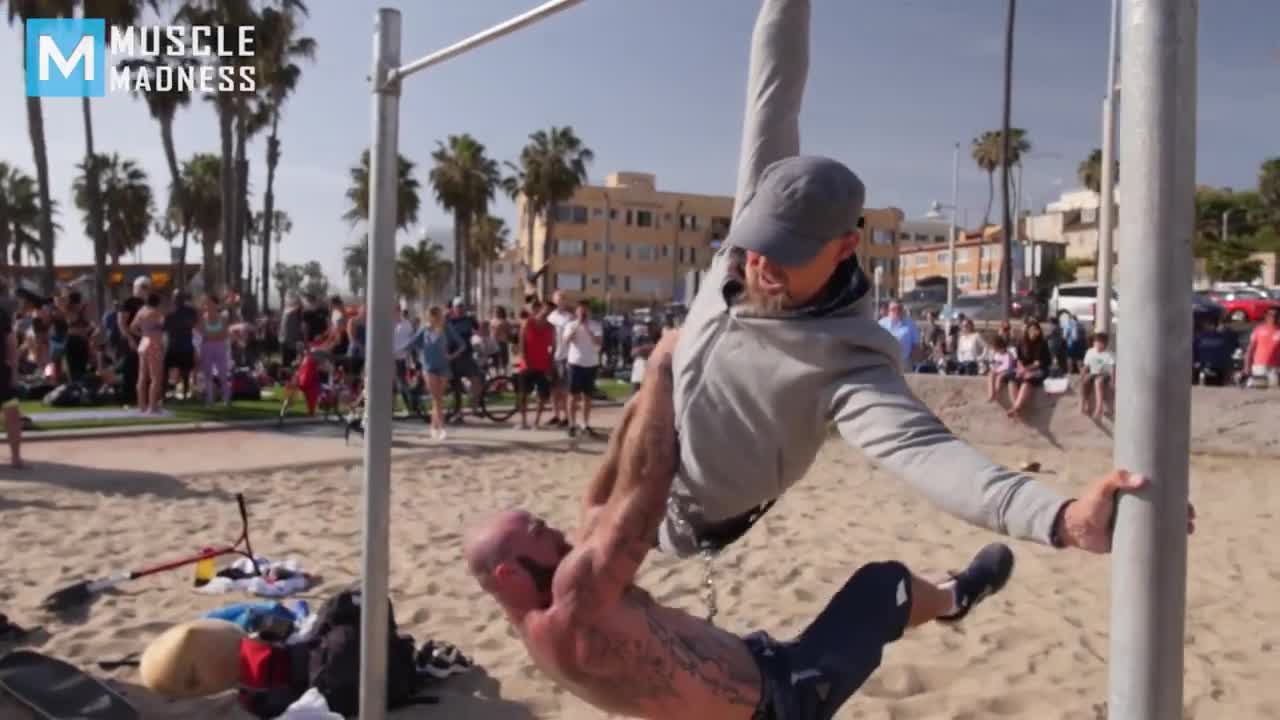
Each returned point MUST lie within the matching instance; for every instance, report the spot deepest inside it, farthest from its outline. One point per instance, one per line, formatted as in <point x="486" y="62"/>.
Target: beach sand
<point x="1038" y="650"/>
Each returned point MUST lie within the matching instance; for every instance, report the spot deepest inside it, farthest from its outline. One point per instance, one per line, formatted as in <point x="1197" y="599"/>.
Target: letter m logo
<point x="66" y="57"/>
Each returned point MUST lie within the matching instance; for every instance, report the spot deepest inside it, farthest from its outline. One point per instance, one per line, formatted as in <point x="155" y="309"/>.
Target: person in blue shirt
<point x="1212" y="354"/>
<point x="903" y="330"/>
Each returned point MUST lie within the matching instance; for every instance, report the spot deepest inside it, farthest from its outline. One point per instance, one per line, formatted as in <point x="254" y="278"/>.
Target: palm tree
<point x="127" y="207"/>
<point x="407" y="204"/>
<point x="1090" y="171"/>
<point x="553" y="165"/>
<point x="421" y="269"/>
<point x="278" y="46"/>
<point x="19" y="212"/>
<point x="489" y="236"/>
<point x="201" y="176"/>
<point x="116" y="13"/>
<point x="985" y="150"/>
<point x="355" y="263"/>
<point x="163" y="106"/>
<point x="464" y="180"/>
<point x="24" y="9"/>
<point x="1269" y="188"/>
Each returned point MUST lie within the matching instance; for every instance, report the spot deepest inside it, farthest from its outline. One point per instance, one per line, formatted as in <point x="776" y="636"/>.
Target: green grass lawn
<point x="190" y="411"/>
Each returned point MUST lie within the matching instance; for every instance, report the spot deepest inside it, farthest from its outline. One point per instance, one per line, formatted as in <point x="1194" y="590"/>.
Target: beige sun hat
<point x="193" y="659"/>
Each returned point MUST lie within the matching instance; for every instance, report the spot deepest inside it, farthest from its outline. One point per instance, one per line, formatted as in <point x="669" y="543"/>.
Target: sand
<point x="1038" y="650"/>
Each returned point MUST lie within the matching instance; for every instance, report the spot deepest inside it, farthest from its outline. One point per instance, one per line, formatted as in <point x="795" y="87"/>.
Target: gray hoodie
<point x="756" y="394"/>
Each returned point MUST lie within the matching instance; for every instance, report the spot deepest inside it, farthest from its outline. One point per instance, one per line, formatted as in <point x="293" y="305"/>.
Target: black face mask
<point x="541" y="574"/>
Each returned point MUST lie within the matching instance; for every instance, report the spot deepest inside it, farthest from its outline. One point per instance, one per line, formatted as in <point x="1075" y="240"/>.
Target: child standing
<point x="1099" y="375"/>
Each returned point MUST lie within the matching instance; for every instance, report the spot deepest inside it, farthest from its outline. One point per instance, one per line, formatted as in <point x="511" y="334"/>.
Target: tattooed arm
<point x="643" y="455"/>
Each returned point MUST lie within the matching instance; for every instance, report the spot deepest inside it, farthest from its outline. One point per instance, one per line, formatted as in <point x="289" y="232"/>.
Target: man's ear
<point x="848" y="244"/>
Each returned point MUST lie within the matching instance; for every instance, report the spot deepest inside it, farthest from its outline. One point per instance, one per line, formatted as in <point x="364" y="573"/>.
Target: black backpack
<point x="334" y="660"/>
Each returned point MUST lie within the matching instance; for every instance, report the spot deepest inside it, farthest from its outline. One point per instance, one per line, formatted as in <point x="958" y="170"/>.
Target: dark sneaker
<point x="986" y="575"/>
<point x="441" y="660"/>
<point x="573" y="431"/>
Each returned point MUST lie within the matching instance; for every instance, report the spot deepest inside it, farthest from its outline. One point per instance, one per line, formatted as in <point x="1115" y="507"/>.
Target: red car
<point x="1244" y="305"/>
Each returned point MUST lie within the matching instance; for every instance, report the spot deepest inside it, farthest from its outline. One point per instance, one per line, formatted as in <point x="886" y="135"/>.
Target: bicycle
<point x="497" y="400"/>
<point x="335" y="398"/>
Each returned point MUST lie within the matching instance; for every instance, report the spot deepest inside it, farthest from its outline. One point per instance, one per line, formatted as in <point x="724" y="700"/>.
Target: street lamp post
<point x="1106" y="210"/>
<point x="1226" y="228"/>
<point x="934" y="213"/>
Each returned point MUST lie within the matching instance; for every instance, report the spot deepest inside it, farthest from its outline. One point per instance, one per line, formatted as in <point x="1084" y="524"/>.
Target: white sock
<point x="955" y="601"/>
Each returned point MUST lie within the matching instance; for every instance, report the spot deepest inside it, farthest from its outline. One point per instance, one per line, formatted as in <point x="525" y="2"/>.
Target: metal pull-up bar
<point x="384" y="154"/>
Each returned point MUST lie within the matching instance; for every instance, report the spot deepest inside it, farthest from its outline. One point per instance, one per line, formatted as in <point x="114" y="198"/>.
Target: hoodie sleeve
<point x="876" y="411"/>
<point x="779" y="66"/>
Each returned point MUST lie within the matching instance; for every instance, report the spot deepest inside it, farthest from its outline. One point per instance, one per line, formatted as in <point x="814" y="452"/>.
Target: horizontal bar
<point x="544" y="10"/>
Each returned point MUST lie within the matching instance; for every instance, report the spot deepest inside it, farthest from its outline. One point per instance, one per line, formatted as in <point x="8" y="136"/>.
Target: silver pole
<point x="542" y="11"/>
<point x="1226" y="229"/>
<point x="1106" y="213"/>
<point x="1152" y="436"/>
<point x="951" y="236"/>
<point x="383" y="172"/>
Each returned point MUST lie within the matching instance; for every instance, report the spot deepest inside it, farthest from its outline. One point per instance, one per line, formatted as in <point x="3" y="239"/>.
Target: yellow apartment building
<point x="655" y="238"/>
<point x="978" y="256"/>
<point x="878" y="247"/>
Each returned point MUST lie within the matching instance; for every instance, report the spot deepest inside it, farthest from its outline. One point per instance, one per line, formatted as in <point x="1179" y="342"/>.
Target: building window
<point x="563" y="213"/>
<point x="647" y="284"/>
<point x="939" y="238"/>
<point x="595" y="280"/>
<point x="597" y="212"/>
<point x="644" y="218"/>
<point x="681" y="255"/>
<point x="962" y="255"/>
<point x="666" y="217"/>
<point x="631" y="217"/>
<point x="571" y="248"/>
<point x="944" y="257"/>
<point x="985" y="278"/>
<point x="719" y="228"/>
<point x="922" y="238"/>
<point x="613" y="281"/>
<point x="904" y="237"/>
<point x="666" y="251"/>
<point x="922" y="259"/>
<point x="596" y="247"/>
<point x="963" y="279"/>
<point x="645" y="252"/>
<point x="688" y="222"/>
<point x="989" y="252"/>
<point x="579" y="215"/>
<point x="881" y="237"/>
<point x="626" y="250"/>
<point x="626" y="283"/>
<point x="693" y="256"/>
<point x="613" y="214"/>
<point x="569" y="281"/>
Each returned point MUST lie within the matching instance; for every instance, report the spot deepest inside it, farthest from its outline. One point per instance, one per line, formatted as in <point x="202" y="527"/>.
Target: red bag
<point x="272" y="676"/>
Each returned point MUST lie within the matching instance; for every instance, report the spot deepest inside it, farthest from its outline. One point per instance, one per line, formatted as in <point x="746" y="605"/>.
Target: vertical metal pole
<point x="383" y="173"/>
<point x="1106" y="212"/>
<point x="1152" y="437"/>
<point x="951" y="235"/>
<point x="1006" y="268"/>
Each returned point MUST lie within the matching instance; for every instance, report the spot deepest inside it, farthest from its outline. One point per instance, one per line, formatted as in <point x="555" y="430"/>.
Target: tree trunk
<point x="182" y="259"/>
<point x="93" y="191"/>
<point x="177" y="196"/>
<point x="548" y="246"/>
<point x="268" y="209"/>
<point x="242" y="199"/>
<point x="35" y="126"/>
<point x="209" y="271"/>
<point x="991" y="197"/>
<point x="1006" y="267"/>
<point x="227" y="180"/>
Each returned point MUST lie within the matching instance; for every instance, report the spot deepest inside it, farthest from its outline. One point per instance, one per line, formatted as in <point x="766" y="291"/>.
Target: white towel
<point x="259" y="585"/>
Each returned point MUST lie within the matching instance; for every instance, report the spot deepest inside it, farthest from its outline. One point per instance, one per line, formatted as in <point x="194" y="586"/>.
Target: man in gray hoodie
<point x="782" y="343"/>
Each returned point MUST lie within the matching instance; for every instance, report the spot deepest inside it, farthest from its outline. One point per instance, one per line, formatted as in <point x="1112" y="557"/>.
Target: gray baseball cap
<point x="799" y="205"/>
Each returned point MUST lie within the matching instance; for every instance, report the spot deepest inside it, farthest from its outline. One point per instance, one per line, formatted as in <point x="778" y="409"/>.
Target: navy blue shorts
<point x="809" y="678"/>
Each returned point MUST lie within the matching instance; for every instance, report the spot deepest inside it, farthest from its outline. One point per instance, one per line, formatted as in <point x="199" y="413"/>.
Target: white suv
<point x="1079" y="299"/>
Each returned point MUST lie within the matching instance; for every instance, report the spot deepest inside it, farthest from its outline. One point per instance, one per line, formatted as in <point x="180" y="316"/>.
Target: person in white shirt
<point x="559" y="318"/>
<point x="1099" y="375"/>
<point x="970" y="348"/>
<point x="582" y="338"/>
<point x="403" y="336"/>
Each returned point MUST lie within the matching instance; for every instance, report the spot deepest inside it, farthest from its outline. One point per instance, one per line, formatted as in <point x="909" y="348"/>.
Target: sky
<point x="658" y="86"/>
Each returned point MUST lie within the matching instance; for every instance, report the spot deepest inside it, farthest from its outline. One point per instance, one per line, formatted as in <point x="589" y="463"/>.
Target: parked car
<point x="1079" y="299"/>
<point x="921" y="301"/>
<point x="1244" y="304"/>
<point x="979" y="308"/>
<point x="1204" y="309"/>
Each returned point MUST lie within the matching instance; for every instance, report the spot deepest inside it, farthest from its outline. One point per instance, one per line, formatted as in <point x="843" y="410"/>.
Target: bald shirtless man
<point x="587" y="626"/>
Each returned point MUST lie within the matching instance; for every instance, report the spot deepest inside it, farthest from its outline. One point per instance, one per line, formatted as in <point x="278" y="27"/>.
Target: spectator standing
<point x="215" y="351"/>
<point x="79" y="330"/>
<point x="180" y="353"/>
<point x="291" y="332"/>
<point x="127" y="350"/>
<point x="1099" y="375"/>
<point x="461" y="353"/>
<point x="1057" y="342"/>
<point x="582" y="339"/>
<point x="537" y="343"/>
<point x="401" y="339"/>
<point x="315" y="321"/>
<point x="560" y="317"/>
<point x="903" y="330"/>
<point x="500" y="330"/>
<point x="1073" y="333"/>
<point x="1262" y="357"/>
<point x="8" y="394"/>
<point x="970" y="348"/>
